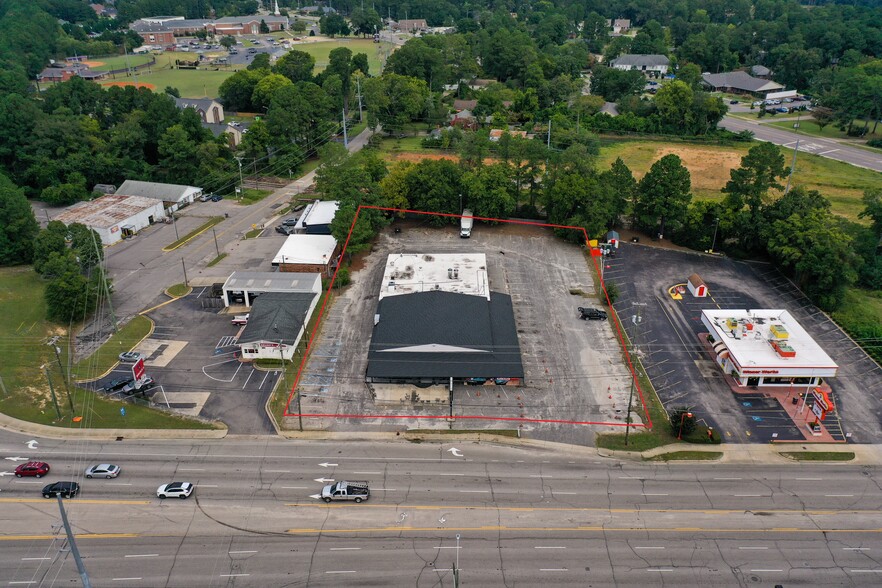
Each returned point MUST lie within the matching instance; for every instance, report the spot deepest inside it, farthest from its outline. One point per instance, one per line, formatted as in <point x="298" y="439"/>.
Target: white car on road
<point x="175" y="490"/>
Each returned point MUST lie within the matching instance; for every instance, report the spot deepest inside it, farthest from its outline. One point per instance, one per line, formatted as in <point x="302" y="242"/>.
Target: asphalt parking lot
<point x="572" y="366"/>
<point x="190" y="355"/>
<point x="684" y="375"/>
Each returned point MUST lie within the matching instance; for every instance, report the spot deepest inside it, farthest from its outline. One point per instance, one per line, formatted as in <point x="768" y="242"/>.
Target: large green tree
<point x="747" y="192"/>
<point x="296" y="65"/>
<point x="664" y="195"/>
<point x="394" y="100"/>
<point x="18" y="227"/>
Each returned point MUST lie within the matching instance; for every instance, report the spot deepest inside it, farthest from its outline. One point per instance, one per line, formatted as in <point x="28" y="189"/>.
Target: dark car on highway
<point x="65" y="489"/>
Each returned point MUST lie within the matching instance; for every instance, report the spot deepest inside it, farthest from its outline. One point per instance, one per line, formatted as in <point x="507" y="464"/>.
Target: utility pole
<point x="3" y="387"/>
<point x="183" y="265"/>
<point x="345" y="136"/>
<point x="216" y="248"/>
<point x="549" y="134"/>
<point x="52" y="390"/>
<point x="241" y="186"/>
<point x="637" y="320"/>
<point x="792" y="167"/>
<point x="57" y="351"/>
<point x="100" y="267"/>
<point x="84" y="575"/>
<point x="360" y="111"/>
<point x="175" y="225"/>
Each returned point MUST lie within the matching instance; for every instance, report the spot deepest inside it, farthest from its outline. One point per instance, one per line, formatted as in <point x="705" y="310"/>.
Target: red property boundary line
<point x="646" y="425"/>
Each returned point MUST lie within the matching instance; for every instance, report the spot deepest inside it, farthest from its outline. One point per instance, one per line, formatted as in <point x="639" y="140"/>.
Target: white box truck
<point x="465" y="224"/>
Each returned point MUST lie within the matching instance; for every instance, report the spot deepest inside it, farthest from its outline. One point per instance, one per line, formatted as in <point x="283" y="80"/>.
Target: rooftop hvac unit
<point x="455" y="273"/>
<point x="376" y="319"/>
<point x="449" y="273"/>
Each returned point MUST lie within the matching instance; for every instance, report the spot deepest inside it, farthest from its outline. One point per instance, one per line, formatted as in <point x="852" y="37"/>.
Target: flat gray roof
<point x="274" y="282"/>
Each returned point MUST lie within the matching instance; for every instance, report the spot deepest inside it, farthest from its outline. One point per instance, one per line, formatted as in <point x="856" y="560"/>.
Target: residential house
<point x="651" y="65"/>
<point x="739" y="82"/>
<point x="209" y="109"/>
<point x="173" y="196"/>
<point x="619" y="26"/>
<point x="234" y="131"/>
<point x="464" y="120"/>
<point x="413" y="26"/>
<point x="761" y="72"/>
<point x="460" y="105"/>
<point x="496" y="134"/>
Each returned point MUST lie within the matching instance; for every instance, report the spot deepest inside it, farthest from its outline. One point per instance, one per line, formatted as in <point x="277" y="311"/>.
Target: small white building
<point x="114" y="216"/>
<point x="696" y="286"/>
<point x="652" y="65"/>
<point x="307" y="253"/>
<point x="242" y="287"/>
<point x="276" y="323"/>
<point x="317" y="217"/>
<point x="766" y="348"/>
<point x="173" y="196"/>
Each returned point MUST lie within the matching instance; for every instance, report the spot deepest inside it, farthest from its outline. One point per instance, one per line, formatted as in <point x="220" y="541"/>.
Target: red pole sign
<point x="138" y="370"/>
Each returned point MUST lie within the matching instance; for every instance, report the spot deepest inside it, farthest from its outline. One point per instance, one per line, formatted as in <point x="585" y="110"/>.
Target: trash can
<point x="794" y="400"/>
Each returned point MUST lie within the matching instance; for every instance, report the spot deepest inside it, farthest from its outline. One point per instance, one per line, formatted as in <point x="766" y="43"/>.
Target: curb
<point x="49" y="432"/>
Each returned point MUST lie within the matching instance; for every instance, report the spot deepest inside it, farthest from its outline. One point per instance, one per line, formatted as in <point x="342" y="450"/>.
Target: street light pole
<point x="716" y="226"/>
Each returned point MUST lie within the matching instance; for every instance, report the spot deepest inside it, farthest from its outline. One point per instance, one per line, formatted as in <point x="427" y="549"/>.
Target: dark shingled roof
<point x="443" y="334"/>
<point x="277" y="316"/>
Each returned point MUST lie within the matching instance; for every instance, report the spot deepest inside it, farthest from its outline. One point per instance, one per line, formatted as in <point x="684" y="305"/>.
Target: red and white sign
<point x="138" y="370"/>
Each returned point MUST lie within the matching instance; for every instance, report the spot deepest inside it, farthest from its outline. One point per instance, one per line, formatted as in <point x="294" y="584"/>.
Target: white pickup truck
<point x="357" y="491"/>
<point x="465" y="224"/>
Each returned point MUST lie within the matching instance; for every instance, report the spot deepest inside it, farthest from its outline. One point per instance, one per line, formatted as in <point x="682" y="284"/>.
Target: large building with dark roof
<point x="437" y="319"/>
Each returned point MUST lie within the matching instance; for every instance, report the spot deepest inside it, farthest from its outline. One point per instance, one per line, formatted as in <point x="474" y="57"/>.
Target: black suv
<point x="116" y="385"/>
<point x="65" y="489"/>
<point x="592" y="314"/>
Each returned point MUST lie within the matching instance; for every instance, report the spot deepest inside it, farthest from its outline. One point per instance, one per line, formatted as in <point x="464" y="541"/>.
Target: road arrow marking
<point x="328" y="465"/>
<point x="32" y="444"/>
<point x="316" y="496"/>
<point x="456" y="452"/>
<point x="324" y="480"/>
<point x="17" y="458"/>
<point x="6" y="474"/>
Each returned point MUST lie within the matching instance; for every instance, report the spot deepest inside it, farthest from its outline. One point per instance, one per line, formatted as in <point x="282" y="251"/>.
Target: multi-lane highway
<point x="833" y="149"/>
<point x="523" y="517"/>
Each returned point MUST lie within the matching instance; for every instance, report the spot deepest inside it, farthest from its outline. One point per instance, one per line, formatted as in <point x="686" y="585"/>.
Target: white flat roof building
<point x="114" y="216"/>
<point x="317" y="216"/>
<point x="306" y="250"/>
<point x="462" y="273"/>
<point x="766" y="348"/>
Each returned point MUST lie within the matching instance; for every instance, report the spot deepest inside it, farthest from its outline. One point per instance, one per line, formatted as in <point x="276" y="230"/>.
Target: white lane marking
<point x="341" y="572"/>
<point x="449" y="474"/>
<point x="553" y="570"/>
<point x="540" y="476"/>
<point x="345" y="548"/>
<point x="826" y="152"/>
<point x="766" y="570"/>
<point x="475" y="491"/>
<point x="865" y="571"/>
<point x="206" y="485"/>
<point x="753" y="548"/>
<point x="232" y="552"/>
<point x="652" y="494"/>
<point x="788" y="144"/>
<point x="838" y="495"/>
<point x="731" y="479"/>
<point x="34" y="558"/>
<point x="191" y="469"/>
<point x="293" y="487"/>
<point x="368" y="473"/>
<point x="659" y="569"/>
<point x="233" y="575"/>
<point x="119" y="483"/>
<point x="843" y="549"/>
<point x="563" y="493"/>
<point x="277" y="471"/>
<point x="385" y="489"/>
<point x="809" y="479"/>
<point x="248" y="379"/>
<point x="125" y="579"/>
<point x="548" y="547"/>
<point x="450" y="547"/>
<point x="747" y="495"/>
<point x="26" y="482"/>
<point x="648" y="547"/>
<point x="144" y="555"/>
<point x="23" y="582"/>
<point x="630" y="478"/>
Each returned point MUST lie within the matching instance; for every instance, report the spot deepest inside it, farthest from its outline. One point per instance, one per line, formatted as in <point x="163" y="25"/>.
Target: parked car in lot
<point x="115" y="385"/>
<point x="37" y="469"/>
<point x="290" y="222"/>
<point x="64" y="489"/>
<point x="104" y="470"/>
<point x="733" y="102"/>
<point x="146" y="384"/>
<point x="240" y="319"/>
<point x="216" y="197"/>
<point x="782" y="110"/>
<point x="205" y="197"/>
<point x="129" y="357"/>
<point x="175" y="490"/>
<point x="592" y="314"/>
<point x="285" y="229"/>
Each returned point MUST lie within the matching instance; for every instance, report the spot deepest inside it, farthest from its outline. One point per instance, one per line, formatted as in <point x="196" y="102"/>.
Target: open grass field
<point x="320" y="51"/>
<point x="808" y="126"/>
<point x="24" y="333"/>
<point x="191" y="83"/>
<point x="841" y="183"/>
<point x="120" y="61"/>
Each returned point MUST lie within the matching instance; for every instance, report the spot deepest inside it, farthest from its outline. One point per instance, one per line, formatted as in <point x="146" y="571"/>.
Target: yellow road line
<point x="579" y="529"/>
<point x="77" y="535"/>
<point x="589" y="509"/>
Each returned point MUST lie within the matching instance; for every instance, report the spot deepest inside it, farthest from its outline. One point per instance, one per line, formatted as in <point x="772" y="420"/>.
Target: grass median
<point x="194" y="233"/>
<point x="819" y="455"/>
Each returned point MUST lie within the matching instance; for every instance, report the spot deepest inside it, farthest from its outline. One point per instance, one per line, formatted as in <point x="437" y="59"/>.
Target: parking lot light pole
<point x="682" y="418"/>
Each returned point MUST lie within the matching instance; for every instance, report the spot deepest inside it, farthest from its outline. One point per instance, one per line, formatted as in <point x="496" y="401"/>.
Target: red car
<point x="32" y="468"/>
